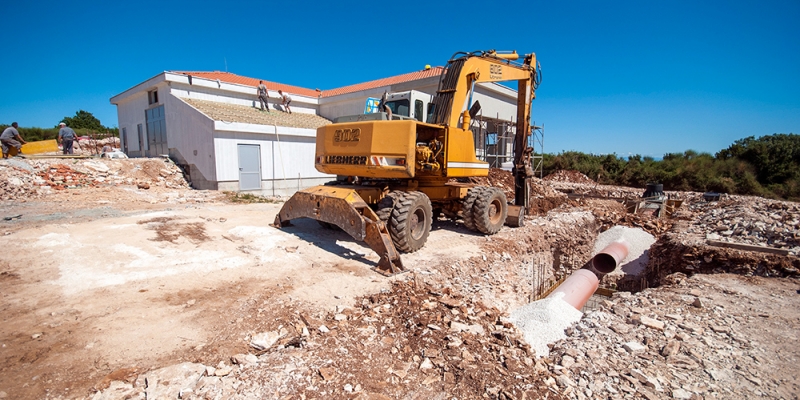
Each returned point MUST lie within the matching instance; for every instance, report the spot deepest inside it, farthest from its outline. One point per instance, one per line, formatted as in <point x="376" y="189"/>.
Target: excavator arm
<point x="453" y="100"/>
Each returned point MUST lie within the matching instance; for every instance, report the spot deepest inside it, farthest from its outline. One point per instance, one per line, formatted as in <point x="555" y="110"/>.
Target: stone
<point x="327" y="373"/>
<point x="672" y="348"/>
<point x="225" y="371"/>
<point x="340" y="317"/>
<point x="324" y="329"/>
<point x="697" y="302"/>
<point x="169" y="382"/>
<point x="564" y="381"/>
<point x="633" y="347"/>
<point x="651" y="323"/>
<point x="567" y="361"/>
<point x="265" y="340"/>
<point x="426" y="364"/>
<point x="679" y="393"/>
<point x="348" y="388"/>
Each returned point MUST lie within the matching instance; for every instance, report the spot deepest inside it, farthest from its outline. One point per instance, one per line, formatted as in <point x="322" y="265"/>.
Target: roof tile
<point x="235" y="113"/>
<point x="274" y="86"/>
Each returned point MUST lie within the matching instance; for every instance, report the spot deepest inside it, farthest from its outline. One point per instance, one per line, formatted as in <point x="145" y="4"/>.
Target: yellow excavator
<point x="394" y="176"/>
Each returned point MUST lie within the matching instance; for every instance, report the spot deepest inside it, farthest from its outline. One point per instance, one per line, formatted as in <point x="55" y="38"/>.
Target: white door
<point x="249" y="167"/>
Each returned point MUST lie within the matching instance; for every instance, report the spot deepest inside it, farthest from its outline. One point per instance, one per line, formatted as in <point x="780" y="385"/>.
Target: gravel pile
<point x="543" y="322"/>
<point x="639" y="242"/>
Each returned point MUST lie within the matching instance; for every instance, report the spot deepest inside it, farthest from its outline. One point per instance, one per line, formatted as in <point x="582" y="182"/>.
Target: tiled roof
<point x="392" y="80"/>
<point x="243" y="80"/>
<point x="274" y="86"/>
<point x="250" y="115"/>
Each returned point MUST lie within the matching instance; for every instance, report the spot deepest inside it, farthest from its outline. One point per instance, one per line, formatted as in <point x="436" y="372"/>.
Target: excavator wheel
<point x="467" y="206"/>
<point x="490" y="210"/>
<point x="411" y="221"/>
<point x="387" y="204"/>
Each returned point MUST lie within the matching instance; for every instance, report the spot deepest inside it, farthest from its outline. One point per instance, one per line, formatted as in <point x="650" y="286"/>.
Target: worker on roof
<point x="286" y="101"/>
<point x="66" y="136"/>
<point x="11" y="138"/>
<point x="263" y="96"/>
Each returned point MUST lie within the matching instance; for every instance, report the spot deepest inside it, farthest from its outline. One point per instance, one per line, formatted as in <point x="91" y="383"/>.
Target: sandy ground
<point x="86" y="291"/>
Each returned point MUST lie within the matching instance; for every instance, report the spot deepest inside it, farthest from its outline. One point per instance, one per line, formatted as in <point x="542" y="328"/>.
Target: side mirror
<point x="474" y="109"/>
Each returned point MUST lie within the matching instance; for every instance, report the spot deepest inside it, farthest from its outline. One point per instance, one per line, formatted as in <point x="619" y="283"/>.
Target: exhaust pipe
<point x="581" y="285"/>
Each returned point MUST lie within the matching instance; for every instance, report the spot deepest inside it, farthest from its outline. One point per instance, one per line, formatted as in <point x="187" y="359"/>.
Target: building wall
<point x="287" y="158"/>
<point x="130" y="113"/>
<point x="191" y="141"/>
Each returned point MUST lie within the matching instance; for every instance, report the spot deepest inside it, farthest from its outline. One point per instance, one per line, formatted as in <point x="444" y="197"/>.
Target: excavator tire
<point x="490" y="210"/>
<point x="411" y="221"/>
<point x="386" y="205"/>
<point x="467" y="206"/>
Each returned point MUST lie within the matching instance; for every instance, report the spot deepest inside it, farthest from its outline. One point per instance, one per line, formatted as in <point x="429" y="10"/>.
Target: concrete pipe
<point x="608" y="259"/>
<point x="578" y="288"/>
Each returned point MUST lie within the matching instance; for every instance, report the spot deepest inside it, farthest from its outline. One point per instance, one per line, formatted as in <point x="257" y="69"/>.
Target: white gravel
<point x="544" y="321"/>
<point x="639" y="243"/>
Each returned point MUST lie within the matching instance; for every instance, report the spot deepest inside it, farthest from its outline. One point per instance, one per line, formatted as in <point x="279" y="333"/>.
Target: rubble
<point x="25" y="179"/>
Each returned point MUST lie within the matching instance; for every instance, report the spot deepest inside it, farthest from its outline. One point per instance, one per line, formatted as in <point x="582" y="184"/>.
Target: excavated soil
<point x="108" y="288"/>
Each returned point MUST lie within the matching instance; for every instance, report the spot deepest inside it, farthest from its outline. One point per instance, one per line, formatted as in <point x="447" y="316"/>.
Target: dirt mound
<point x="569" y="176"/>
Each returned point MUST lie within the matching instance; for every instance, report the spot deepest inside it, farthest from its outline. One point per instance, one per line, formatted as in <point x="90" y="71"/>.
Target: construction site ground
<point x="118" y="281"/>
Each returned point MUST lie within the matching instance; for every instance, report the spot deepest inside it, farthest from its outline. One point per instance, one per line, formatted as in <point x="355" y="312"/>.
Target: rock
<point x="672" y="348"/>
<point x="697" y="302"/>
<point x="564" y="381"/>
<point x="225" y="371"/>
<point x="340" y="317"/>
<point x="348" y="388"/>
<point x="327" y="373"/>
<point x="681" y="394"/>
<point x="651" y="323"/>
<point x="426" y="364"/>
<point x="168" y="382"/>
<point x="567" y="361"/>
<point x="324" y="329"/>
<point x="434" y="327"/>
<point x="265" y="340"/>
<point x="633" y="347"/>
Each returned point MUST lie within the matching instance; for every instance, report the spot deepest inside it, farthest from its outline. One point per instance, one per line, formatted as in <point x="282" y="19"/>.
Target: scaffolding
<point x="494" y="142"/>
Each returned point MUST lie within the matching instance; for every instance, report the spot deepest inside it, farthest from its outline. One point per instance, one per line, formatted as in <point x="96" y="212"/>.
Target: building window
<point x="152" y="97"/>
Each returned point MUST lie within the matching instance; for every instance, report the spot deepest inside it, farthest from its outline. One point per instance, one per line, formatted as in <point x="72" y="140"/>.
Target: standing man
<point x="11" y="138"/>
<point x="286" y="100"/>
<point x="263" y="96"/>
<point x="66" y="136"/>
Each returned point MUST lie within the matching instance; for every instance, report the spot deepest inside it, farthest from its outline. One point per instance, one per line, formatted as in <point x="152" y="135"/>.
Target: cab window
<point x="418" y="110"/>
<point x="399" y="107"/>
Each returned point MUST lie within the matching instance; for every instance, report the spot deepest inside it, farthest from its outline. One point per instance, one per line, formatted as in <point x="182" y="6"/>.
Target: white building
<point x="211" y="124"/>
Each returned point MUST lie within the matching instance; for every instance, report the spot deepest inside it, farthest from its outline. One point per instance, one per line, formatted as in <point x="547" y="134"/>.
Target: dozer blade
<point x="344" y="208"/>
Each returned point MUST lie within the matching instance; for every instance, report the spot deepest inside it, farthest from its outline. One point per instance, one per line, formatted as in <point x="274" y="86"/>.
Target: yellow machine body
<point x="394" y="172"/>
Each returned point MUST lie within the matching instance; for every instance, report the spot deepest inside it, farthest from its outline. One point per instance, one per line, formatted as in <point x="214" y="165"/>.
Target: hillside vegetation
<point x="768" y="166"/>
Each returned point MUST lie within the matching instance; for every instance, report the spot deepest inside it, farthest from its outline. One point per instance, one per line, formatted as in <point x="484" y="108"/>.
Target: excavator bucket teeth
<point x="344" y="208"/>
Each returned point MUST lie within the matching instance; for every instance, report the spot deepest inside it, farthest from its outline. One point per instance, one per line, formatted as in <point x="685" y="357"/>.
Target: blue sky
<point x="626" y="77"/>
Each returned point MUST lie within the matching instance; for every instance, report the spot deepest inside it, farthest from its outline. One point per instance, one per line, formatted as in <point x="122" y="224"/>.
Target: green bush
<point x="768" y="166"/>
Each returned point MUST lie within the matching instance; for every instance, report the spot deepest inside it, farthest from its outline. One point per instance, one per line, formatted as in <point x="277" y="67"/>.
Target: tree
<point x="83" y="120"/>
